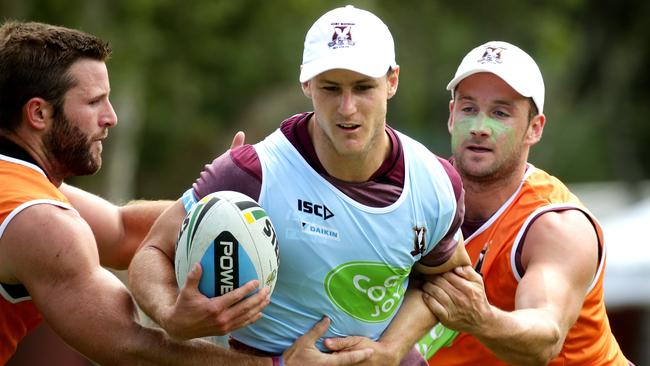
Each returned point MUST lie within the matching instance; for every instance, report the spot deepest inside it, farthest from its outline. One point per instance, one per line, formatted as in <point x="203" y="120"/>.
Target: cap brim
<point x="456" y="80"/>
<point x="357" y="64"/>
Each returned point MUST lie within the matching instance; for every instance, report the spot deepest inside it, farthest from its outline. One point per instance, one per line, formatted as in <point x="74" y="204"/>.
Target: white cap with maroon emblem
<point x="508" y="62"/>
<point x="348" y="38"/>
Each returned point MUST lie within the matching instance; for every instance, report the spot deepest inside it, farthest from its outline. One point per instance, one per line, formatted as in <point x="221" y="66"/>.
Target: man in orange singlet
<point x="535" y="295"/>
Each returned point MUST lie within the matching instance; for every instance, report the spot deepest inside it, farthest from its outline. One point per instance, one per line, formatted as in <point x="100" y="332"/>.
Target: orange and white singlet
<point x="590" y="340"/>
<point x="22" y="184"/>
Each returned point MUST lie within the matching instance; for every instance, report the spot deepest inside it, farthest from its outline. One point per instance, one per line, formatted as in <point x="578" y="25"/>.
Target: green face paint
<point x="494" y="129"/>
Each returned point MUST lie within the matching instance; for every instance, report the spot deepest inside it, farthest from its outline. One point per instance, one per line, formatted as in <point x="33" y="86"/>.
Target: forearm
<point x="156" y="348"/>
<point x="116" y="338"/>
<point x="153" y="283"/>
<point x="134" y="344"/>
<point x="118" y="230"/>
<point x="410" y="324"/>
<point x="522" y="337"/>
<point x="137" y="218"/>
<point x="103" y="218"/>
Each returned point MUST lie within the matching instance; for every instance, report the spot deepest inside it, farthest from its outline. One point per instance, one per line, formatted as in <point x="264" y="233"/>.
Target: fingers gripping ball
<point x="233" y="239"/>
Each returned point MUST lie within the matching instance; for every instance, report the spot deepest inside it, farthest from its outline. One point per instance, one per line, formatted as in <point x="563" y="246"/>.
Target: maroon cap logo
<point x="492" y="55"/>
<point x="342" y="36"/>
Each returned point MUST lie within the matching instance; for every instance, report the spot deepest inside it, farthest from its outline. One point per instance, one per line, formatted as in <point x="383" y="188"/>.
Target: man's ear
<point x="37" y="112"/>
<point x="535" y="129"/>
<point x="450" y="121"/>
<point x="306" y="89"/>
<point x="393" y="82"/>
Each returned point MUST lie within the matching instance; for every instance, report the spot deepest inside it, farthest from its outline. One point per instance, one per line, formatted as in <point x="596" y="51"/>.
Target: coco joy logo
<point x="367" y="291"/>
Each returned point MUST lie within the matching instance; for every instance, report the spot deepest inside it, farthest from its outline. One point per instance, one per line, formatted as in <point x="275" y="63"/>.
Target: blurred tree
<point x="606" y="102"/>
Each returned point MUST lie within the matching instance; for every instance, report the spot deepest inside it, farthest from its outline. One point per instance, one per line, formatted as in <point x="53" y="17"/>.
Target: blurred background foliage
<point x="186" y="75"/>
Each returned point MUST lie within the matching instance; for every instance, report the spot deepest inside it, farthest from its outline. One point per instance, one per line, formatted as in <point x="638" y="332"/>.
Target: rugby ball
<point x="233" y="239"/>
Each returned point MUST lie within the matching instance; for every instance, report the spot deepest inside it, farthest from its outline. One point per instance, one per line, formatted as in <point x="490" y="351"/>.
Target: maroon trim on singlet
<point x="520" y="248"/>
<point x="454" y="177"/>
<point x="296" y="130"/>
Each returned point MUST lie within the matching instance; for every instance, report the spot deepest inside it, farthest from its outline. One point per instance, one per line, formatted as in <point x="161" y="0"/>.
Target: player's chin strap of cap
<point x="278" y="360"/>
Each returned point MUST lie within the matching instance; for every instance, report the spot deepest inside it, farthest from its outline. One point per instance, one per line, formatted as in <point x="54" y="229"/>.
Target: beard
<point x="71" y="148"/>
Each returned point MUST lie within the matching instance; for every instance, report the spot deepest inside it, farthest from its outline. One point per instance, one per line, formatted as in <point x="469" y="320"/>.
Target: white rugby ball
<point x="233" y="239"/>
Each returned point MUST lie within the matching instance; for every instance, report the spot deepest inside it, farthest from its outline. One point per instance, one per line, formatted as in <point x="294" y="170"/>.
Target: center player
<point x="355" y="203"/>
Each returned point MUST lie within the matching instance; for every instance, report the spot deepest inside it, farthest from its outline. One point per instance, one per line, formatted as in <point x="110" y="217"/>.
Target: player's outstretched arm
<point x="186" y="313"/>
<point x="118" y="230"/>
<point x="548" y="299"/>
<point x="52" y="252"/>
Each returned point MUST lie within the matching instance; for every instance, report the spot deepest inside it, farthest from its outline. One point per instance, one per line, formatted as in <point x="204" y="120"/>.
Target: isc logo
<point x="318" y="210"/>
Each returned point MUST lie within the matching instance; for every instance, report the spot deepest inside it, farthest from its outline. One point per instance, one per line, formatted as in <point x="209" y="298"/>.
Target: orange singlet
<point x="22" y="184"/>
<point x="590" y="340"/>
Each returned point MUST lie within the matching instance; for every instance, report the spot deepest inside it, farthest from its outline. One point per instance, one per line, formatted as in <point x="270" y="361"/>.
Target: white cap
<point x="348" y="38"/>
<point x="508" y="62"/>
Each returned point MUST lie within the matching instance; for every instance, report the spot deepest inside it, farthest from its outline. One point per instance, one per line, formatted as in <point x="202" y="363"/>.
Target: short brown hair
<point x="35" y="59"/>
<point x="533" y="111"/>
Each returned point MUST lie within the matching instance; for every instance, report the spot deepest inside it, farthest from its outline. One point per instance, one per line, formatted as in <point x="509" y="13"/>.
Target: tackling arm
<point x="59" y="266"/>
<point x="118" y="230"/>
<point x="548" y="298"/>
<point x="550" y="294"/>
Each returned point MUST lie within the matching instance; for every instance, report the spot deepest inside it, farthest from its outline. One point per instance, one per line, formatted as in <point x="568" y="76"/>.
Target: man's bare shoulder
<point x="44" y="243"/>
<point x="563" y="237"/>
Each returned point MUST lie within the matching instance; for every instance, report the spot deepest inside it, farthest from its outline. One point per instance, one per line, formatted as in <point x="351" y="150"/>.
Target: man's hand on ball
<point x="194" y="315"/>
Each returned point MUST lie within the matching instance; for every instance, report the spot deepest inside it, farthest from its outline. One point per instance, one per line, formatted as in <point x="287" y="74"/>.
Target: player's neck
<point x="483" y="198"/>
<point x="34" y="146"/>
<point x="357" y="167"/>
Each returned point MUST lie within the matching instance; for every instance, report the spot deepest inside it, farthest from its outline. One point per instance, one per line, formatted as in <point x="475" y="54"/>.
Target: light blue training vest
<point x="338" y="257"/>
